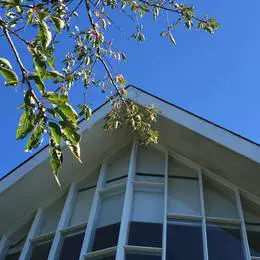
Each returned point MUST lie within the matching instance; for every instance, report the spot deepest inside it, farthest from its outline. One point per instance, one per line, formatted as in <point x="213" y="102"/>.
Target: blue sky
<point x="215" y="76"/>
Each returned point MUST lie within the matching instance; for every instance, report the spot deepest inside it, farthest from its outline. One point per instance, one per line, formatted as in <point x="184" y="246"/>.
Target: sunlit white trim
<point x="4" y="245"/>
<point x="204" y="224"/>
<point x="90" y="230"/>
<point x="128" y="202"/>
<point x="165" y="209"/>
<point x="243" y="226"/>
<point x="143" y="249"/>
<point x="35" y="227"/>
<point x="64" y="219"/>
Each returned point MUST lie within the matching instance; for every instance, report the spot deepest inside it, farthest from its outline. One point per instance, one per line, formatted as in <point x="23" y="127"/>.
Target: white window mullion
<point x="165" y="217"/>
<point x="128" y="201"/>
<point x="243" y="225"/>
<point x="204" y="224"/>
<point x="90" y="230"/>
<point x="4" y="246"/>
<point x="64" y="218"/>
<point x="27" y="248"/>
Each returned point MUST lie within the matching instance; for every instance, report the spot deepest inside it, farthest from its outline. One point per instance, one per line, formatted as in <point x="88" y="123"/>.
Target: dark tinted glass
<point x="145" y="234"/>
<point x="254" y="242"/>
<point x="106" y="237"/>
<point x="224" y="243"/>
<point x="184" y="242"/>
<point x="142" y="257"/>
<point x="14" y="256"/>
<point x="71" y="247"/>
<point x="41" y="251"/>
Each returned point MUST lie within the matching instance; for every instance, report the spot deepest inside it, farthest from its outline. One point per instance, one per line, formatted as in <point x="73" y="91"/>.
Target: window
<point x="72" y="246"/>
<point x="252" y="219"/>
<point x="17" y="241"/>
<point x="224" y="242"/>
<point x="108" y="225"/>
<point x="52" y="216"/>
<point x="117" y="168"/>
<point x="149" y="160"/>
<point x="82" y="206"/>
<point x="219" y="201"/>
<point x="184" y="241"/>
<point x="146" y="224"/>
<point x="183" y="196"/>
<point x="41" y="250"/>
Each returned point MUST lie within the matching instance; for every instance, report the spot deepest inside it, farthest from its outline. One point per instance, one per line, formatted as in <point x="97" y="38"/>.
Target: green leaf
<point x="44" y="35"/>
<point x="55" y="132"/>
<point x="40" y="65"/>
<point x="38" y="81"/>
<point x="53" y="74"/>
<point x="35" y="139"/>
<point x="67" y="113"/>
<point x="70" y="133"/>
<point x="56" y="160"/>
<point x="9" y="75"/>
<point x="58" y="23"/>
<point x="75" y="149"/>
<point x="26" y="124"/>
<point x="30" y="17"/>
<point x="5" y="63"/>
<point x="56" y="98"/>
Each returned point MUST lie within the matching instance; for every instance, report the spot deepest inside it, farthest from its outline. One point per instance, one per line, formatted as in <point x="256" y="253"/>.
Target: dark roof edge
<point x="148" y="93"/>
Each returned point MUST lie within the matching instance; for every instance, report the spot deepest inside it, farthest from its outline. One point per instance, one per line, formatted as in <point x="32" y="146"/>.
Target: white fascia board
<point x="24" y="169"/>
<point x="198" y="125"/>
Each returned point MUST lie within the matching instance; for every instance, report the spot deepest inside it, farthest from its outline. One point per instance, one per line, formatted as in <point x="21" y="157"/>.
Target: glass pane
<point x="111" y="257"/>
<point x="106" y="237"/>
<point x="145" y="234"/>
<point x="138" y="256"/>
<point x="184" y="241"/>
<point x="52" y="216"/>
<point x="13" y="256"/>
<point x="108" y="225"/>
<point x="82" y="207"/>
<point x="219" y="201"/>
<point x="252" y="218"/>
<point x="117" y="168"/>
<point x="253" y="236"/>
<point x="150" y="160"/>
<point x="148" y="206"/>
<point x="183" y="196"/>
<point x="41" y="251"/>
<point x="224" y="242"/>
<point x="72" y="246"/>
<point x="176" y="168"/>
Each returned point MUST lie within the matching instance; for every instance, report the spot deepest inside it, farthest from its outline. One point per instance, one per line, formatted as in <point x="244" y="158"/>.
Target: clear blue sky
<point x="216" y="77"/>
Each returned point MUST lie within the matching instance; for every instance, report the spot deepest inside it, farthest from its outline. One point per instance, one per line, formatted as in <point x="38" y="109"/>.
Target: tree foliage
<point x="47" y="108"/>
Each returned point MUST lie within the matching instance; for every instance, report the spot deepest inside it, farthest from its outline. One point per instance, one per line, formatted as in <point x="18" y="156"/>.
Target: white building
<point x="195" y="195"/>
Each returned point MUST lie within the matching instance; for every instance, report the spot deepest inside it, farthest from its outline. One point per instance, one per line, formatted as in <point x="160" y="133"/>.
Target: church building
<point x="193" y="196"/>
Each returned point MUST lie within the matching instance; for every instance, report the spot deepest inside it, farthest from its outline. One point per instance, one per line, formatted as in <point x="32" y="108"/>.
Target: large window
<point x="183" y="213"/>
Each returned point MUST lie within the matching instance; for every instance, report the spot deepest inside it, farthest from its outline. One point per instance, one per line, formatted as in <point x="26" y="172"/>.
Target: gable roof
<point x="233" y="157"/>
<point x="130" y="87"/>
